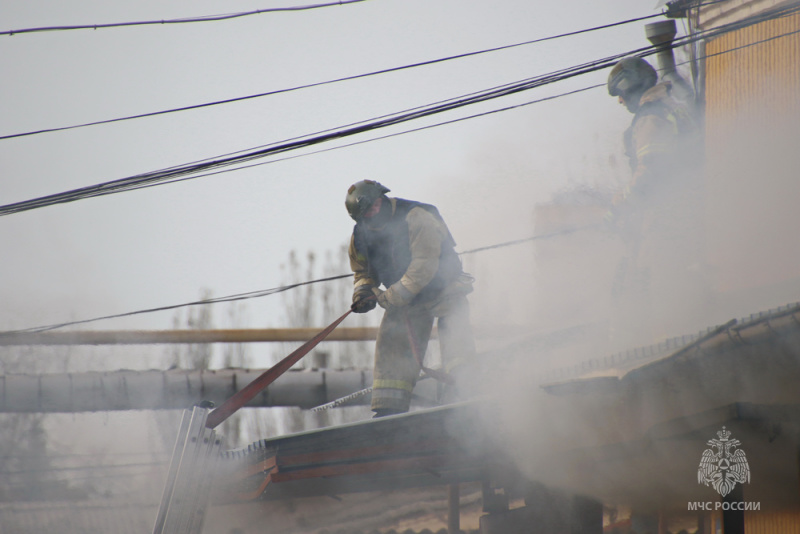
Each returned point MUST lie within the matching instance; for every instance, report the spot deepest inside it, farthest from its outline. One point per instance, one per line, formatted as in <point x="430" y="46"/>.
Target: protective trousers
<point x="396" y="367"/>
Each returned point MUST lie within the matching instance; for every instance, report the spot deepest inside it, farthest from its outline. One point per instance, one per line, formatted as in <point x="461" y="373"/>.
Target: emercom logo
<point x="723" y="465"/>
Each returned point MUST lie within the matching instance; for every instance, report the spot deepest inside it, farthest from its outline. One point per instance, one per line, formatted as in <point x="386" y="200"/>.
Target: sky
<point x="230" y="233"/>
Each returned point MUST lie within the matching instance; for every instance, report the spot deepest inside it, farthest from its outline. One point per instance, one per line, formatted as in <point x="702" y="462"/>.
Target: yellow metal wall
<point x="752" y="96"/>
<point x="772" y="523"/>
<point x="762" y="79"/>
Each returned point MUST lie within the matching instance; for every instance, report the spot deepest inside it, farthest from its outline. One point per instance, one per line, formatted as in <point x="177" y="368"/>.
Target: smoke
<point x="721" y="248"/>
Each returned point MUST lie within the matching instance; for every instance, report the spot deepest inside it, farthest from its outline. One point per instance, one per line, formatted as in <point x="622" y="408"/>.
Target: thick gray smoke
<point x="722" y="249"/>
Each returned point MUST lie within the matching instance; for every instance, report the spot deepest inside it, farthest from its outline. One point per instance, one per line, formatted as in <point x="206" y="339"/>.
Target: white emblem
<point x="725" y="467"/>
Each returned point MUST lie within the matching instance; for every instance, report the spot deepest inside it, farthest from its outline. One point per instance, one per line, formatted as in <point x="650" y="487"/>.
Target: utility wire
<point x="229" y="298"/>
<point x="205" y="18"/>
<point x="651" y="51"/>
<point x="213" y="18"/>
<point x="549" y="235"/>
<point x="255" y="294"/>
<point x="337" y="80"/>
<point x="193" y="169"/>
<point x="170" y="174"/>
<point x="388" y="136"/>
<point x="266" y="292"/>
<point x="346" y="78"/>
<point x="477" y="115"/>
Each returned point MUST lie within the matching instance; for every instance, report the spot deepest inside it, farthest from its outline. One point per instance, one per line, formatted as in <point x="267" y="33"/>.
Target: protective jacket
<point x="660" y="139"/>
<point x="408" y="249"/>
<point x="661" y="220"/>
<point x="411" y="253"/>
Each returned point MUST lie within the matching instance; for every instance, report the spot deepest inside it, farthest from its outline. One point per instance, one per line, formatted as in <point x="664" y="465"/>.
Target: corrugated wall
<point x="752" y="94"/>
<point x="762" y="79"/>
<point x="771" y="523"/>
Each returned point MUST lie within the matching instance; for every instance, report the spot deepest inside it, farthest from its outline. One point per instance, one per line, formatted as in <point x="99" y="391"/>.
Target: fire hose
<point x="247" y="393"/>
<point x="437" y="374"/>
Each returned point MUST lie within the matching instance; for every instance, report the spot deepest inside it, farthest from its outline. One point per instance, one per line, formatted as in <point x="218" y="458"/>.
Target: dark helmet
<point x="631" y="75"/>
<point x="361" y="196"/>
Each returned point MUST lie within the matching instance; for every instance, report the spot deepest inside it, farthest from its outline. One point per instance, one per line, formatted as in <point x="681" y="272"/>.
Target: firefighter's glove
<point x="363" y="300"/>
<point x="394" y="297"/>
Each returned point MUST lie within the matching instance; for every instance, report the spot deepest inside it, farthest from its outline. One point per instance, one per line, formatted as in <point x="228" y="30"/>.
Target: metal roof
<point x="428" y="447"/>
<point x="628" y="412"/>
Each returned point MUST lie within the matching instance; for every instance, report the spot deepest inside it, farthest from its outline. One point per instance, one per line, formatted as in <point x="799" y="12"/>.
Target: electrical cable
<point x="214" y="18"/>
<point x="337" y="80"/>
<point x="346" y="78"/>
<point x="260" y="293"/>
<point x="206" y="18"/>
<point x="255" y="294"/>
<point x="387" y="136"/>
<point x="550" y="235"/>
<point x="229" y="298"/>
<point x="171" y="174"/>
<point x="421" y="107"/>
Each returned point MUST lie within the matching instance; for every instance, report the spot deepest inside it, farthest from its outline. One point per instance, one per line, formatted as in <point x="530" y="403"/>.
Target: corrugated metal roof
<point x="622" y="410"/>
<point x="427" y="447"/>
<point x="622" y="364"/>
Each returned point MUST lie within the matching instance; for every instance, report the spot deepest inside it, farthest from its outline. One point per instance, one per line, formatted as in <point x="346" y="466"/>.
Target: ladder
<point x="197" y="451"/>
<point x="191" y="472"/>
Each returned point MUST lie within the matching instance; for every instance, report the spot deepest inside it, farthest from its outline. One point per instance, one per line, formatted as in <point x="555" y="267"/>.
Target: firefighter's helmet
<point x="631" y="75"/>
<point x="361" y="196"/>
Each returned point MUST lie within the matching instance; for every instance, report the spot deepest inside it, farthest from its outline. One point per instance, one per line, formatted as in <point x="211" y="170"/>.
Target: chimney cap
<point x="661" y="32"/>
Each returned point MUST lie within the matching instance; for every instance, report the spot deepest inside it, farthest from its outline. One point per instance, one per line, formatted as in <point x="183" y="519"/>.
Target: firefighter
<point x="403" y="258"/>
<point x="657" y="213"/>
<point x="658" y="142"/>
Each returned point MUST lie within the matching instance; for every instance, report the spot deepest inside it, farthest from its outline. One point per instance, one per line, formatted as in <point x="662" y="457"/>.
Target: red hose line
<point x="246" y="394"/>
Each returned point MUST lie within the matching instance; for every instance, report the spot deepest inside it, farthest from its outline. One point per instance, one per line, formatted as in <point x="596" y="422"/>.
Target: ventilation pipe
<point x="661" y="35"/>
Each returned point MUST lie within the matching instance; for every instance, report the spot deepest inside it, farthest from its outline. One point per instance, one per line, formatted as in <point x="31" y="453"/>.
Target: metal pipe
<point x="137" y="337"/>
<point x="254" y="335"/>
<point x="171" y="389"/>
<point x="661" y="34"/>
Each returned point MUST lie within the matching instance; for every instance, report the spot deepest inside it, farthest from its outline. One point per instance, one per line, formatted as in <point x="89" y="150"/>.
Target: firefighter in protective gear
<point x="658" y="141"/>
<point x="406" y="247"/>
<point x="658" y="212"/>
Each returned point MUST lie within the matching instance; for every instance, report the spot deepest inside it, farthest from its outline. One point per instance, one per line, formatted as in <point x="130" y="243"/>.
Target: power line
<point x="267" y="292"/>
<point x="477" y="115"/>
<point x="190" y="171"/>
<point x="181" y="172"/>
<point x="550" y="235"/>
<point x="641" y="52"/>
<point x="206" y="18"/>
<point x="172" y="173"/>
<point x="388" y="136"/>
<point x="337" y="80"/>
<point x="229" y="298"/>
<point x="255" y="294"/>
<point x="650" y="50"/>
